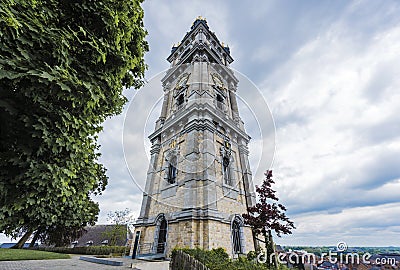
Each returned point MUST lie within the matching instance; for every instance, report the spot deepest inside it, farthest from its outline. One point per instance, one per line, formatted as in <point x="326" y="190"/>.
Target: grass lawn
<point x="7" y="254"/>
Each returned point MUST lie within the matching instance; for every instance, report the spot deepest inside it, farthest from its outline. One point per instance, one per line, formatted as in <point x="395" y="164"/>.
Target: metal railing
<point x="161" y="248"/>
<point x="180" y="106"/>
<point x="221" y="106"/>
<point x="150" y="249"/>
<point x="182" y="261"/>
<point x="145" y="248"/>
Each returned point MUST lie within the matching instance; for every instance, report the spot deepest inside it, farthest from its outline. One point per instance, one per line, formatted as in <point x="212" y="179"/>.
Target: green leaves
<point x="63" y="65"/>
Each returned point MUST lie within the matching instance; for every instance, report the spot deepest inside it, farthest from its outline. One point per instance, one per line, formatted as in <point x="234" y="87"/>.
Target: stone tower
<point x="199" y="180"/>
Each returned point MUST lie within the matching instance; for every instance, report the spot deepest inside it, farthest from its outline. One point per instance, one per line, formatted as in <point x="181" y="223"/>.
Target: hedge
<point x="218" y="259"/>
<point x="91" y="250"/>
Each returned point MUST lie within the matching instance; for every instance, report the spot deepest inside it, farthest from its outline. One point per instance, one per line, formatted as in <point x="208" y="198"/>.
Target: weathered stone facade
<point x="199" y="180"/>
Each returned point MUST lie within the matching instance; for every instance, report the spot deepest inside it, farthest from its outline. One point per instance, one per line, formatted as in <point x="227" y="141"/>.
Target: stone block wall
<point x="206" y="234"/>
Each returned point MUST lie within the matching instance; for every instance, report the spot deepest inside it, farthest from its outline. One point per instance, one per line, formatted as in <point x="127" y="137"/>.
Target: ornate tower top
<point x="200" y="38"/>
<point x="200" y="76"/>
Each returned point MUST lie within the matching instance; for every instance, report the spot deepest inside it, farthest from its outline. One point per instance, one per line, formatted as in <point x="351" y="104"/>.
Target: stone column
<point x="191" y="156"/>
<point x="151" y="174"/>
<point x="209" y="187"/>
<point x="246" y="176"/>
<point x="164" y="108"/>
<point x="165" y="105"/>
<point x="234" y="106"/>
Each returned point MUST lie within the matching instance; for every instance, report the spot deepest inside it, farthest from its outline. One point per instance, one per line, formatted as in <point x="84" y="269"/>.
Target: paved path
<point x="75" y="263"/>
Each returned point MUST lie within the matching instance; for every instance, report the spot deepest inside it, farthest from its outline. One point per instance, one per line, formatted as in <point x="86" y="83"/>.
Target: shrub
<point x="253" y="254"/>
<point x="218" y="259"/>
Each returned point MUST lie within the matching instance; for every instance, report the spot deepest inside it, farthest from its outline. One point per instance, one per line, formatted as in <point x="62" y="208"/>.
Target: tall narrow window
<point x="179" y="101"/>
<point x="237" y="241"/>
<point x="226" y="171"/>
<point x="172" y="171"/>
<point x="220" y="102"/>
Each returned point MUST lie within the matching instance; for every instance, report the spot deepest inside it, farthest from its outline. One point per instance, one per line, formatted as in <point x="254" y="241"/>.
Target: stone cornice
<point x="200" y="109"/>
<point x="198" y="47"/>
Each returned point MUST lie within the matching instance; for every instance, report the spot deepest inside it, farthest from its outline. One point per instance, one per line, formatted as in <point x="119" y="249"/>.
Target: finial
<point x="201" y="18"/>
<point x="222" y="44"/>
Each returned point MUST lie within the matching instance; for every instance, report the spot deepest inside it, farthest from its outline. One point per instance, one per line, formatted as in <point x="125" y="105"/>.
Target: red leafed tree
<point x="268" y="215"/>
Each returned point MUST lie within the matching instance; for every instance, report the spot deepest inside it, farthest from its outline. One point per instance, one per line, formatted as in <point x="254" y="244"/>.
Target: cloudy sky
<point x="329" y="71"/>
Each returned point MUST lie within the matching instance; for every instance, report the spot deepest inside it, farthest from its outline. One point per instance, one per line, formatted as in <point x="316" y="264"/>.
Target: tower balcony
<point x="221" y="106"/>
<point x="180" y="106"/>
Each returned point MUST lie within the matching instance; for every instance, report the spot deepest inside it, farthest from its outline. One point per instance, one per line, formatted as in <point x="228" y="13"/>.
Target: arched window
<point x="237" y="236"/>
<point x="237" y="247"/>
<point x="226" y="171"/>
<point x="160" y="234"/>
<point x="172" y="171"/>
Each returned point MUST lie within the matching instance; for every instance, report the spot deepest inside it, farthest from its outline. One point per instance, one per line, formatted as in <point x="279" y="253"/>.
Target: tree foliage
<point x="268" y="215"/>
<point x="120" y="219"/>
<point x="63" y="66"/>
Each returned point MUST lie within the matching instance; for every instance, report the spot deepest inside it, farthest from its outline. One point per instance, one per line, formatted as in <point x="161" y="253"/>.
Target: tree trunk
<point x="35" y="238"/>
<point x="24" y="238"/>
<point x="267" y="253"/>
<point x="272" y="248"/>
<point x="255" y="242"/>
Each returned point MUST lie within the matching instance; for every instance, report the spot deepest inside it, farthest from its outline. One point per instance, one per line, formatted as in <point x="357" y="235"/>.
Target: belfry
<point x="199" y="181"/>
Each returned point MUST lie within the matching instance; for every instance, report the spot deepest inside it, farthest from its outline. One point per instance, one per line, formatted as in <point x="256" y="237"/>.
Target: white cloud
<point x="361" y="226"/>
<point x="335" y="103"/>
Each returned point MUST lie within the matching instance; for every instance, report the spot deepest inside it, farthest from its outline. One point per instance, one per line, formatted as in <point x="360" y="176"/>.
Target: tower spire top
<point x="200" y="39"/>
<point x="199" y="19"/>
